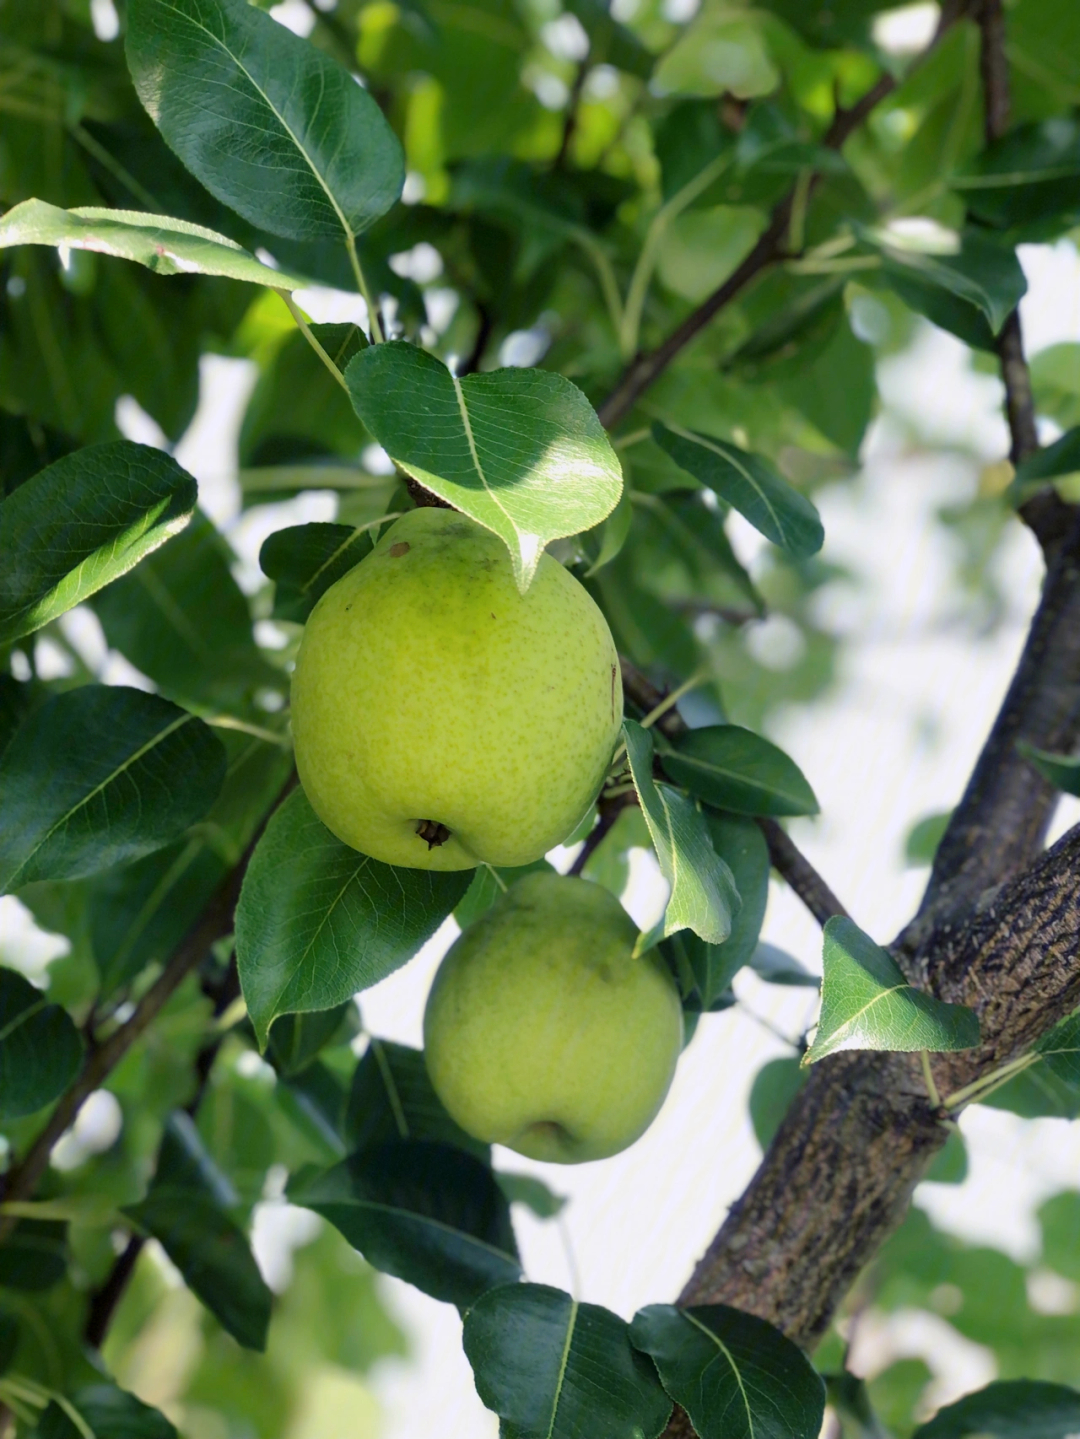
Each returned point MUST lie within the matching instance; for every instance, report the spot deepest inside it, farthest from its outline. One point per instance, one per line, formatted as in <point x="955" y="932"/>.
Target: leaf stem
<point x="305" y="329"/>
<point x="671" y="700"/>
<point x="374" y="326"/>
<point x="981" y="1087"/>
<point x="230" y="722"/>
<point x="928" y="1075"/>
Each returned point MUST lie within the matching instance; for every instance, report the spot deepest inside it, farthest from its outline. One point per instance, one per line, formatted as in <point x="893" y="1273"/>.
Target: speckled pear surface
<point x="429" y="692"/>
<point x="544" y="1032"/>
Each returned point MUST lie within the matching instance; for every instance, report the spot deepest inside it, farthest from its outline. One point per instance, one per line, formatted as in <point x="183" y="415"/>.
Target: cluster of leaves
<point x="138" y="218"/>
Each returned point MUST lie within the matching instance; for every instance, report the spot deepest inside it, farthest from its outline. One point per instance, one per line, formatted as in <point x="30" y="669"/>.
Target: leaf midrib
<point x="710" y="766"/>
<point x="692" y="437"/>
<point x="715" y="1338"/>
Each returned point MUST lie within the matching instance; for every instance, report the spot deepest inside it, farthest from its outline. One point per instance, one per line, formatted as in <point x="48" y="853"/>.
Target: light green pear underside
<point x="428" y="688"/>
<point x="545" y="1033"/>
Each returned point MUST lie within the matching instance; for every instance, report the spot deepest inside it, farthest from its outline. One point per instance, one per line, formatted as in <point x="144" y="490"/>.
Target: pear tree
<point x="608" y="287"/>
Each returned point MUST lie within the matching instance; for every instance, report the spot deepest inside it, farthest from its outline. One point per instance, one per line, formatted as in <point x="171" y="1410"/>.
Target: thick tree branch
<point x="645" y="368"/>
<point x="858" y="1138"/>
<point x="215" y="922"/>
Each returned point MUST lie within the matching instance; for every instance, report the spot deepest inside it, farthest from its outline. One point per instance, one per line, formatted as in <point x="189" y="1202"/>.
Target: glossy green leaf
<point x="775" y="1085"/>
<point x="520" y="451"/>
<point x="305" y="560"/>
<point x="703" y="894"/>
<point x="1008" y="1409"/>
<point x="40" y="1048"/>
<point x="78" y="524"/>
<point x="736" y="1376"/>
<point x="552" y="1368"/>
<point x="391" y="1099"/>
<point x="164" y="245"/>
<point x="1062" y="770"/>
<point x="866" y="1003"/>
<point x="527" y="1189"/>
<point x="240" y="99"/>
<point x="422" y="1211"/>
<point x="104" y="1411"/>
<point x="296" y="1040"/>
<point x="104" y="775"/>
<point x="1029" y="180"/>
<point x="184" y="1162"/>
<point x="181" y="618"/>
<point x="212" y="1254"/>
<point x="735" y="769"/>
<point x="1036" y="1093"/>
<point x="318" y="921"/>
<point x="970" y="293"/>
<point x="748" y="483"/>
<point x="776" y="966"/>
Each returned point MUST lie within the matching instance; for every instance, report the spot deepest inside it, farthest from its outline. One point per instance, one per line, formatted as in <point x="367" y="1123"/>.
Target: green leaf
<point x="1030" y="180"/>
<point x="519" y="451"/>
<point x="318" y="921"/>
<point x="104" y="774"/>
<point x="1009" y="1409"/>
<point x="33" y="1257"/>
<point x="950" y="1165"/>
<point x="305" y="560"/>
<point x="17" y="699"/>
<point x="422" y="1211"/>
<point x="212" y="1255"/>
<point x="181" y="619"/>
<point x="240" y="99"/>
<point x="703" y="894"/>
<point x="1062" y="770"/>
<point x="866" y="1003"/>
<point x="775" y="1086"/>
<point x="391" y="1099"/>
<point x="105" y="1412"/>
<point x="40" y="1048"/>
<point x="735" y="769"/>
<point x="296" y="1040"/>
<point x="1049" y="463"/>
<point x="748" y="483"/>
<point x="924" y="836"/>
<point x="184" y="1162"/>
<point x="736" y="1376"/>
<point x="532" y="1192"/>
<point x="1036" y="1093"/>
<point x="162" y="244"/>
<point x="488" y="883"/>
<point x="78" y="524"/>
<point x="971" y="293"/>
<point x="552" y="1368"/>
<point x="776" y="966"/>
<point x="1061" y="1050"/>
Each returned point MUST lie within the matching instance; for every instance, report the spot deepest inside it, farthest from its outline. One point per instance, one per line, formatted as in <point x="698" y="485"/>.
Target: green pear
<point x="544" y="1031"/>
<point x="440" y="717"/>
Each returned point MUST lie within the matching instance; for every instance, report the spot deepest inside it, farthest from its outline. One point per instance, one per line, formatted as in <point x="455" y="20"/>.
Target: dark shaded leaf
<point x="750" y="484"/>
<point x="1009" y="1409"/>
<point x="1060" y="458"/>
<point x="552" y="1368"/>
<point x="78" y="524"/>
<point x="185" y="1163"/>
<point x="105" y="774"/>
<point x="1060" y="1050"/>
<point x="971" y="293"/>
<point x="776" y="966"/>
<point x="866" y="1003"/>
<point x="422" y="1211"/>
<point x="391" y="1099"/>
<point x="520" y="451"/>
<point x="297" y="1039"/>
<point x="1063" y="771"/>
<point x="735" y="769"/>
<point x="239" y="97"/>
<point x="527" y="1189"/>
<point x="775" y="1085"/>
<point x="40" y="1048"/>
<point x="34" y="1255"/>
<point x="1029" y="181"/>
<point x="736" y="1376"/>
<point x="104" y="1411"/>
<point x="318" y="921"/>
<point x="212" y="1255"/>
<point x="305" y="560"/>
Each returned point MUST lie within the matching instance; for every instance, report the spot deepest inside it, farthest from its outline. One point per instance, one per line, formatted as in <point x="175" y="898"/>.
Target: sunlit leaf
<point x="866" y="1003"/>
<point x="520" y="451"/>
<point x="78" y="524"/>
<point x="552" y="1368"/>
<point x="703" y="894"/>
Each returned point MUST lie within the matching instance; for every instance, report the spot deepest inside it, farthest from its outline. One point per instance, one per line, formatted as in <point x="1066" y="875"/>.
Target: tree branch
<point x="215" y="922"/>
<point x="645" y="368"/>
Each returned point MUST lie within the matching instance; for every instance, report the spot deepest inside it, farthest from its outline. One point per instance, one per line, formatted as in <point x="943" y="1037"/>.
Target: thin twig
<point x="609" y="811"/>
<point x="792" y="865"/>
<point x="573" y="105"/>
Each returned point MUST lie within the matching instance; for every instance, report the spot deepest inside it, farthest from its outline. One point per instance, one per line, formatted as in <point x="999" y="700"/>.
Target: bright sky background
<point x="895" y="741"/>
